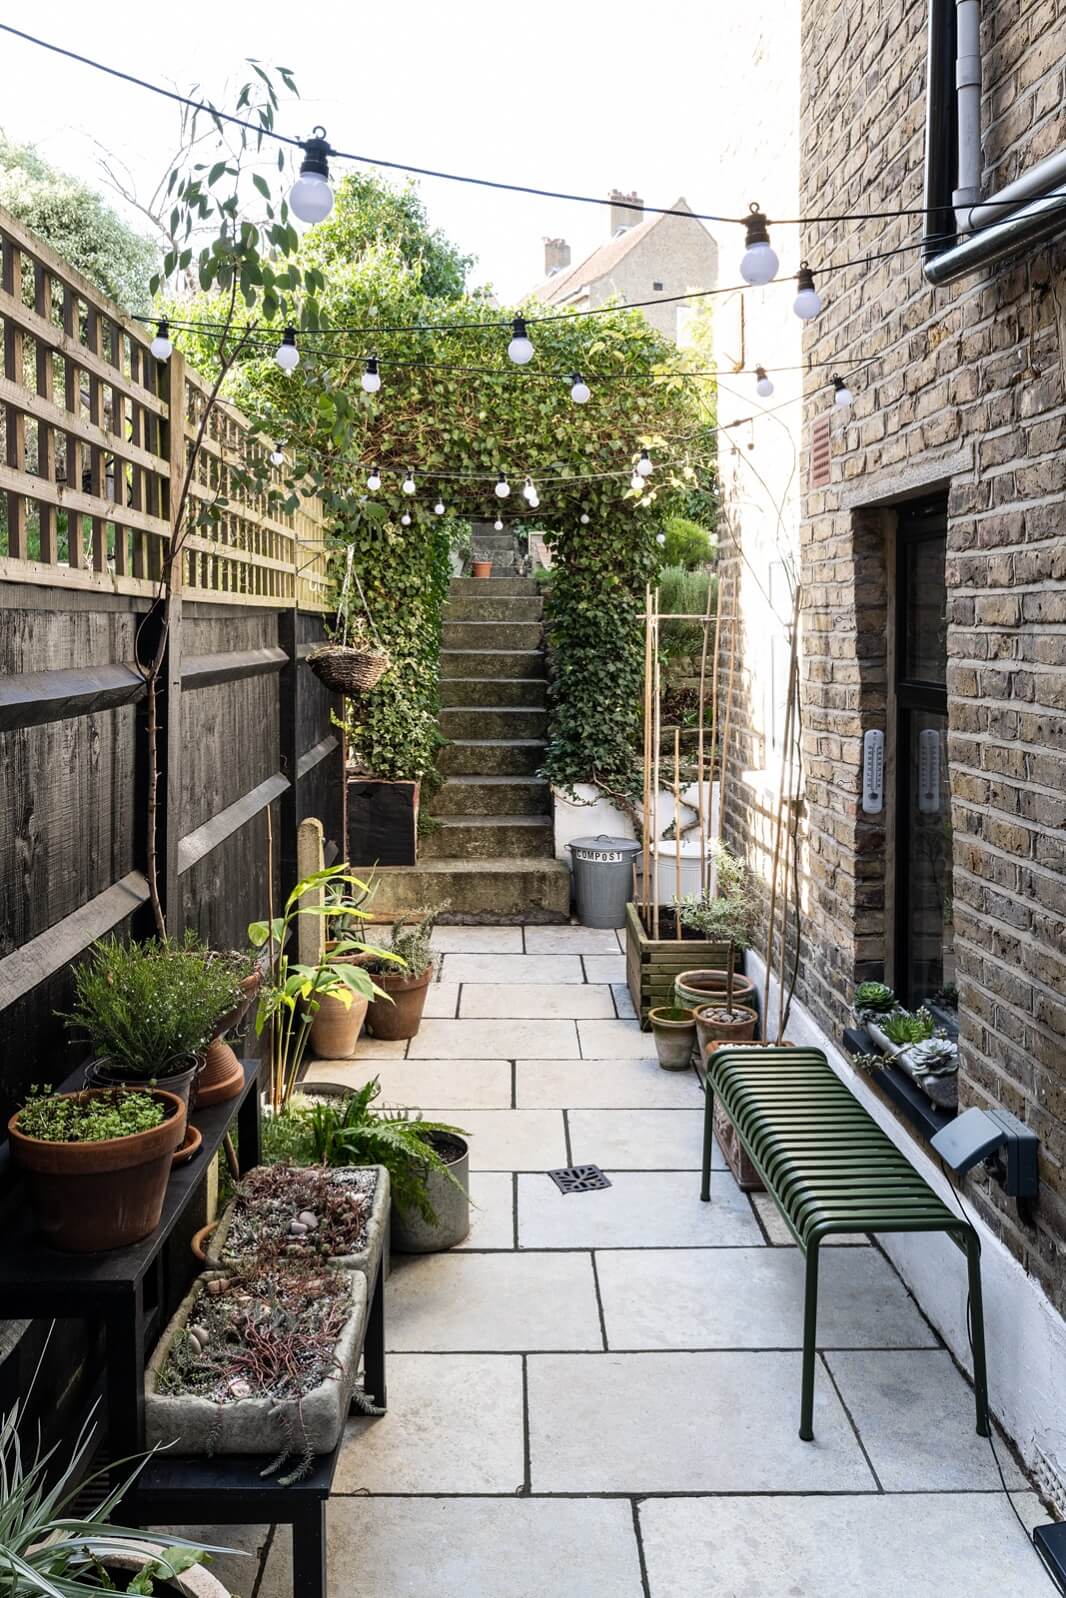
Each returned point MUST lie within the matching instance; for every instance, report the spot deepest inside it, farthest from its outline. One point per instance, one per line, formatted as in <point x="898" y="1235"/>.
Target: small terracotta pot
<point x="403" y="1017"/>
<point x="481" y="568"/>
<point x="336" y="1027"/>
<point x="711" y="1019"/>
<point x="221" y="1078"/>
<point x="88" y="1197"/>
<point x="233" y="1018"/>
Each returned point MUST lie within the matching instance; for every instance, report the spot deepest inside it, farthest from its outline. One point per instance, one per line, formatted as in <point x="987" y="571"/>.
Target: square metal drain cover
<point x="579" y="1179"/>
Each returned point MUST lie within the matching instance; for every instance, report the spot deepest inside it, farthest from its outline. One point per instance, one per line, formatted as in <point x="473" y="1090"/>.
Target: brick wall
<point x="965" y="393"/>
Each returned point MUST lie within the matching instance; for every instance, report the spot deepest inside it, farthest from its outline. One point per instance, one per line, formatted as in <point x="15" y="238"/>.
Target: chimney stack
<point x="556" y="256"/>
<point x="627" y="210"/>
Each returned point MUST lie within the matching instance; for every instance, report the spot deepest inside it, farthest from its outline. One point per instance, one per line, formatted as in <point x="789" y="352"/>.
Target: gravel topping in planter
<point x="260" y="1363"/>
<point x="305" y="1213"/>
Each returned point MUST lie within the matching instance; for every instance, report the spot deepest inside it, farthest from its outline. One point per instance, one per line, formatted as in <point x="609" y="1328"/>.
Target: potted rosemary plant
<point x="406" y="988"/>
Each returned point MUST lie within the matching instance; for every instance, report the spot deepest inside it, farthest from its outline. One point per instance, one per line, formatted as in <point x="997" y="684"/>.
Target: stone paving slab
<point x="477" y="940"/>
<point x="496" y="1303"/>
<point x="619" y="1040"/>
<point x="753" y="1298"/>
<point x="454" y="1425"/>
<point x="369" y="1048"/>
<point x="604" y="968"/>
<point x="496" y="1040"/>
<point x="466" y="1084"/>
<point x="622" y="1002"/>
<point x="237" y="1571"/>
<point x="471" y="1548"/>
<point x="536" y="1000"/>
<point x="512" y="968"/>
<point x="644" y="1140"/>
<point x="877" y="1547"/>
<point x="510" y="1140"/>
<point x="640" y="1210"/>
<point x="605" y="1084"/>
<point x="491" y="1210"/>
<point x="442" y="1001"/>
<point x="915" y="1414"/>
<point x="718" y="1422"/>
<point x="570" y="940"/>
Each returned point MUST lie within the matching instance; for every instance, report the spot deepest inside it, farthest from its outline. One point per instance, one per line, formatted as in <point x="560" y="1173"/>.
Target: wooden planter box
<point x="654" y="964"/>
<point x="382" y="822"/>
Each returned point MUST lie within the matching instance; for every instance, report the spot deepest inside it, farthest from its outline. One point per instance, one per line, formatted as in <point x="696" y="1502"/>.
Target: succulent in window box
<point x="933" y="1057"/>
<point x="873" y="999"/>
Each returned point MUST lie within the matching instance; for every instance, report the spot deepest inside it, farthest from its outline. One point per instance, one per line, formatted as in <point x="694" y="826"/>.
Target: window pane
<point x="925" y="611"/>
<point x="927" y="866"/>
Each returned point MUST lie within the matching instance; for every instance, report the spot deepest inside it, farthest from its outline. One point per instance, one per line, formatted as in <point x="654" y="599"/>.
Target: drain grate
<point x="579" y="1179"/>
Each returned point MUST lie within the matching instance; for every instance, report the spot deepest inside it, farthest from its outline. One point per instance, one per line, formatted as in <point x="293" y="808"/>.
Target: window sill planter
<point x="654" y="964"/>
<point x="941" y="1087"/>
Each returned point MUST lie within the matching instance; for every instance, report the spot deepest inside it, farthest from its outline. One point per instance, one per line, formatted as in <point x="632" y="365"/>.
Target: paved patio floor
<point x="599" y="1392"/>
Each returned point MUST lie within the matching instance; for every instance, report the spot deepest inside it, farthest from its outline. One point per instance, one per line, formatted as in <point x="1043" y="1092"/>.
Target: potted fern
<point x="399" y="1015"/>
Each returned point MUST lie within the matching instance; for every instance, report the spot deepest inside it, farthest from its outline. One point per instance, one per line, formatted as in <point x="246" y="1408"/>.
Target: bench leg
<point x="977" y="1332"/>
<point x="309" y="1552"/>
<point x="708" y="1140"/>
<point x="374" y="1347"/>
<point x="810" y="1337"/>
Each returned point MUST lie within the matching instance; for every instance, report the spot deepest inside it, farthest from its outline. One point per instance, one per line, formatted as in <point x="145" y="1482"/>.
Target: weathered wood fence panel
<point x="94" y="437"/>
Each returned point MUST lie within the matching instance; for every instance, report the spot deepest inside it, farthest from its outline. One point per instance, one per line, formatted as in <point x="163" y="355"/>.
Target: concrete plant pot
<point x="365" y="1261"/>
<point x="675" y="1036"/>
<point x="413" y="1235"/>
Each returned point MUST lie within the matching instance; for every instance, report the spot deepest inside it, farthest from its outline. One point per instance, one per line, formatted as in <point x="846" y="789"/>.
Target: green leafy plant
<point x="684" y="593"/>
<point x="411" y="944"/>
<point x="289" y="997"/>
<point x="49" y="1548"/>
<point x="687" y="544"/>
<point x="148" y="1009"/>
<point x="874" y="999"/>
<point x="91" y="1117"/>
<point x="729" y="914"/>
<point x="903" y="1028"/>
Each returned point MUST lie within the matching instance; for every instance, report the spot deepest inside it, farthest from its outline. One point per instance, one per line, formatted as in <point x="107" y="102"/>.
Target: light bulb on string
<point x="438" y="509"/>
<point x="408" y="484"/>
<point x="660" y="538"/>
<point x="371" y="378"/>
<point x="644" y="465"/>
<point x="808" y="301"/>
<point x="842" y="395"/>
<point x="405" y="519"/>
<point x="528" y="490"/>
<point x="534" y="500"/>
<point x="759" y="263"/>
<point x="763" y="385"/>
<point x="503" y="487"/>
<point x="580" y="392"/>
<point x="584" y="518"/>
<point x="498" y="525"/>
<point x="636" y="482"/>
<point x="520" y="348"/>
<point x="286" y="354"/>
<point x="161" y="346"/>
<point x="277" y="456"/>
<point x="373" y="482"/>
<point x="311" y="198"/>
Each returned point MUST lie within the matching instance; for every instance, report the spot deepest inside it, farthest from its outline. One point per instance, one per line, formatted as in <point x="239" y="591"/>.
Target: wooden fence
<point x="95" y="437"/>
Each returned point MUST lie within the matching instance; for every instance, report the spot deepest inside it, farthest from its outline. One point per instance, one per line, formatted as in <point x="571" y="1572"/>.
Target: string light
<point x="286" y="354"/>
<point x="636" y="482"/>
<point x="528" y="490"/>
<point x="660" y="538"/>
<point x="408" y="484"/>
<point x="520" y="348"/>
<point x="405" y="519"/>
<point x="373" y="482"/>
<point x="644" y="465"/>
<point x="843" y="395"/>
<point x="498" y="525"/>
<point x="763" y="385"/>
<point x="161" y="346"/>
<point x="759" y="263"/>
<point x="584" y="518"/>
<point x="503" y="487"/>
<point x="808" y="301"/>
<point x="311" y="198"/>
<point x="277" y="456"/>
<point x="371" y="378"/>
<point x="438" y="509"/>
<point x="580" y="392"/>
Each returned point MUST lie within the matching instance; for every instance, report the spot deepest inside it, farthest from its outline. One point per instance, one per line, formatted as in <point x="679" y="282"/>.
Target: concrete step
<point x="491" y="635"/>
<point x="489" y="837"/>
<point x="493" y="796"/>
<point x="487" y="607"/>
<point x="510" y="663"/>
<point x="501" y="890"/>
<point x="493" y="721"/>
<point x="462" y="691"/>
<point x="500" y="585"/>
<point x="491" y="757"/>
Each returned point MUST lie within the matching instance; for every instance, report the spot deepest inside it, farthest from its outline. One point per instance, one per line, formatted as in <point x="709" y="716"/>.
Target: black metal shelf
<point x="897" y="1087"/>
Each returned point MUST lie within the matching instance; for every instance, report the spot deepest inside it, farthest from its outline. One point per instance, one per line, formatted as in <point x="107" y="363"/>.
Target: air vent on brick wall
<point x="821" y="453"/>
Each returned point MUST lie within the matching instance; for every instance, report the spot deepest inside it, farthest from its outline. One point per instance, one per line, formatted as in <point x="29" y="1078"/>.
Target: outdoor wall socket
<point x="997" y="1137"/>
<point x="873" y="772"/>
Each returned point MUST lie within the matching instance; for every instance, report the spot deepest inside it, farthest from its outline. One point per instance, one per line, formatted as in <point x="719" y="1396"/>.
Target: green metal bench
<point x="829" y="1168"/>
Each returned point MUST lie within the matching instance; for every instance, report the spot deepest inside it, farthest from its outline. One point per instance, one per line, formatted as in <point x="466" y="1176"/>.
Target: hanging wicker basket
<point x="347" y="670"/>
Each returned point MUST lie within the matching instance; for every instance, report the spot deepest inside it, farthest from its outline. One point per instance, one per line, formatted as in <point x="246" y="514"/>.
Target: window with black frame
<point x="924" y="942"/>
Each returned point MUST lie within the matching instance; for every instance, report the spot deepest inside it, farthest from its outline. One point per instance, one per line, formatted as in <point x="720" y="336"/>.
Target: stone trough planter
<point x="365" y="1260"/>
<point x="256" y="1424"/>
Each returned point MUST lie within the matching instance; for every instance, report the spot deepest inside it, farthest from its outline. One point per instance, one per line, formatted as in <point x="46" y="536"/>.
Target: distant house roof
<point x="562" y="285"/>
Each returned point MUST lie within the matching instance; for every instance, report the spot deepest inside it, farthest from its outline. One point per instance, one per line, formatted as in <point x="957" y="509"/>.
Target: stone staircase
<point x="490" y="854"/>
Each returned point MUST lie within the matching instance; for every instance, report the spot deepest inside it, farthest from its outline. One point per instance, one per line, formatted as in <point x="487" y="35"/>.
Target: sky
<point x="583" y="98"/>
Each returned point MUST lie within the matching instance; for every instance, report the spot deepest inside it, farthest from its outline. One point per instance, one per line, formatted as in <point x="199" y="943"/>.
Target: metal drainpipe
<point x="968" y="87"/>
<point x="940" y="128"/>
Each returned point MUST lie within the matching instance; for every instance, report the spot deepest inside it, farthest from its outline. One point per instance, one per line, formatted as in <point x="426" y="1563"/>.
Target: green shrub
<point x="729" y="915"/>
<point x="687" y="543"/>
<point x="91" y="1117"/>
<point x="684" y="593"/>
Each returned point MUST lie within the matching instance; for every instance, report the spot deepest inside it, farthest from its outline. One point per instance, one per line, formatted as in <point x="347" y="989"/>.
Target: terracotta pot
<point x="233" y="1018"/>
<point x="87" y="1197"/>
<point x="712" y="1020"/>
<point x="481" y="568"/>
<point x="675" y="1035"/>
<point x="403" y="1017"/>
<point x="221" y="1078"/>
<point x="736" y="1156"/>
<point x="700" y="988"/>
<point x="98" y="1074"/>
<point x="336" y="1027"/>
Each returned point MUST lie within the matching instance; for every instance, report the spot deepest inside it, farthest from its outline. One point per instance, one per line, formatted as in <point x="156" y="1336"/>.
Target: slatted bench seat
<point x="830" y="1169"/>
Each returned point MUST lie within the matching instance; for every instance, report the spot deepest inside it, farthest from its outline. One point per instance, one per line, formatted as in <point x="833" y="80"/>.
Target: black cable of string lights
<point x="453" y="177"/>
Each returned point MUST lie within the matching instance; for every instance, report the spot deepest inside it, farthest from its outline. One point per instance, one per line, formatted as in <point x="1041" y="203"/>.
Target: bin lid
<point x="603" y="841"/>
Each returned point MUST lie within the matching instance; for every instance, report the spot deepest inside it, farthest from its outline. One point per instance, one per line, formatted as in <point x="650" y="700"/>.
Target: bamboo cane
<point x="723" y="765"/>
<point x="677" y="831"/>
<point x="791" y="845"/>
<point x="701" y="711"/>
<point x="656" y="736"/>
<point x="705" y="884"/>
<point x="647" y="752"/>
<point x="780" y="803"/>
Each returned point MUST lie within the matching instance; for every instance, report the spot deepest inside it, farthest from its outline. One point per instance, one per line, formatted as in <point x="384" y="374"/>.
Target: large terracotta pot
<point x="87" y="1197"/>
<point x="699" y="988"/>
<point x="336" y="1027"/>
<point x="403" y="1017"/>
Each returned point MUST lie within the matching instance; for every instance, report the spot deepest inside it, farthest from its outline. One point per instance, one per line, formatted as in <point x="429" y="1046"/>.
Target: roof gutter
<point x="952" y="149"/>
